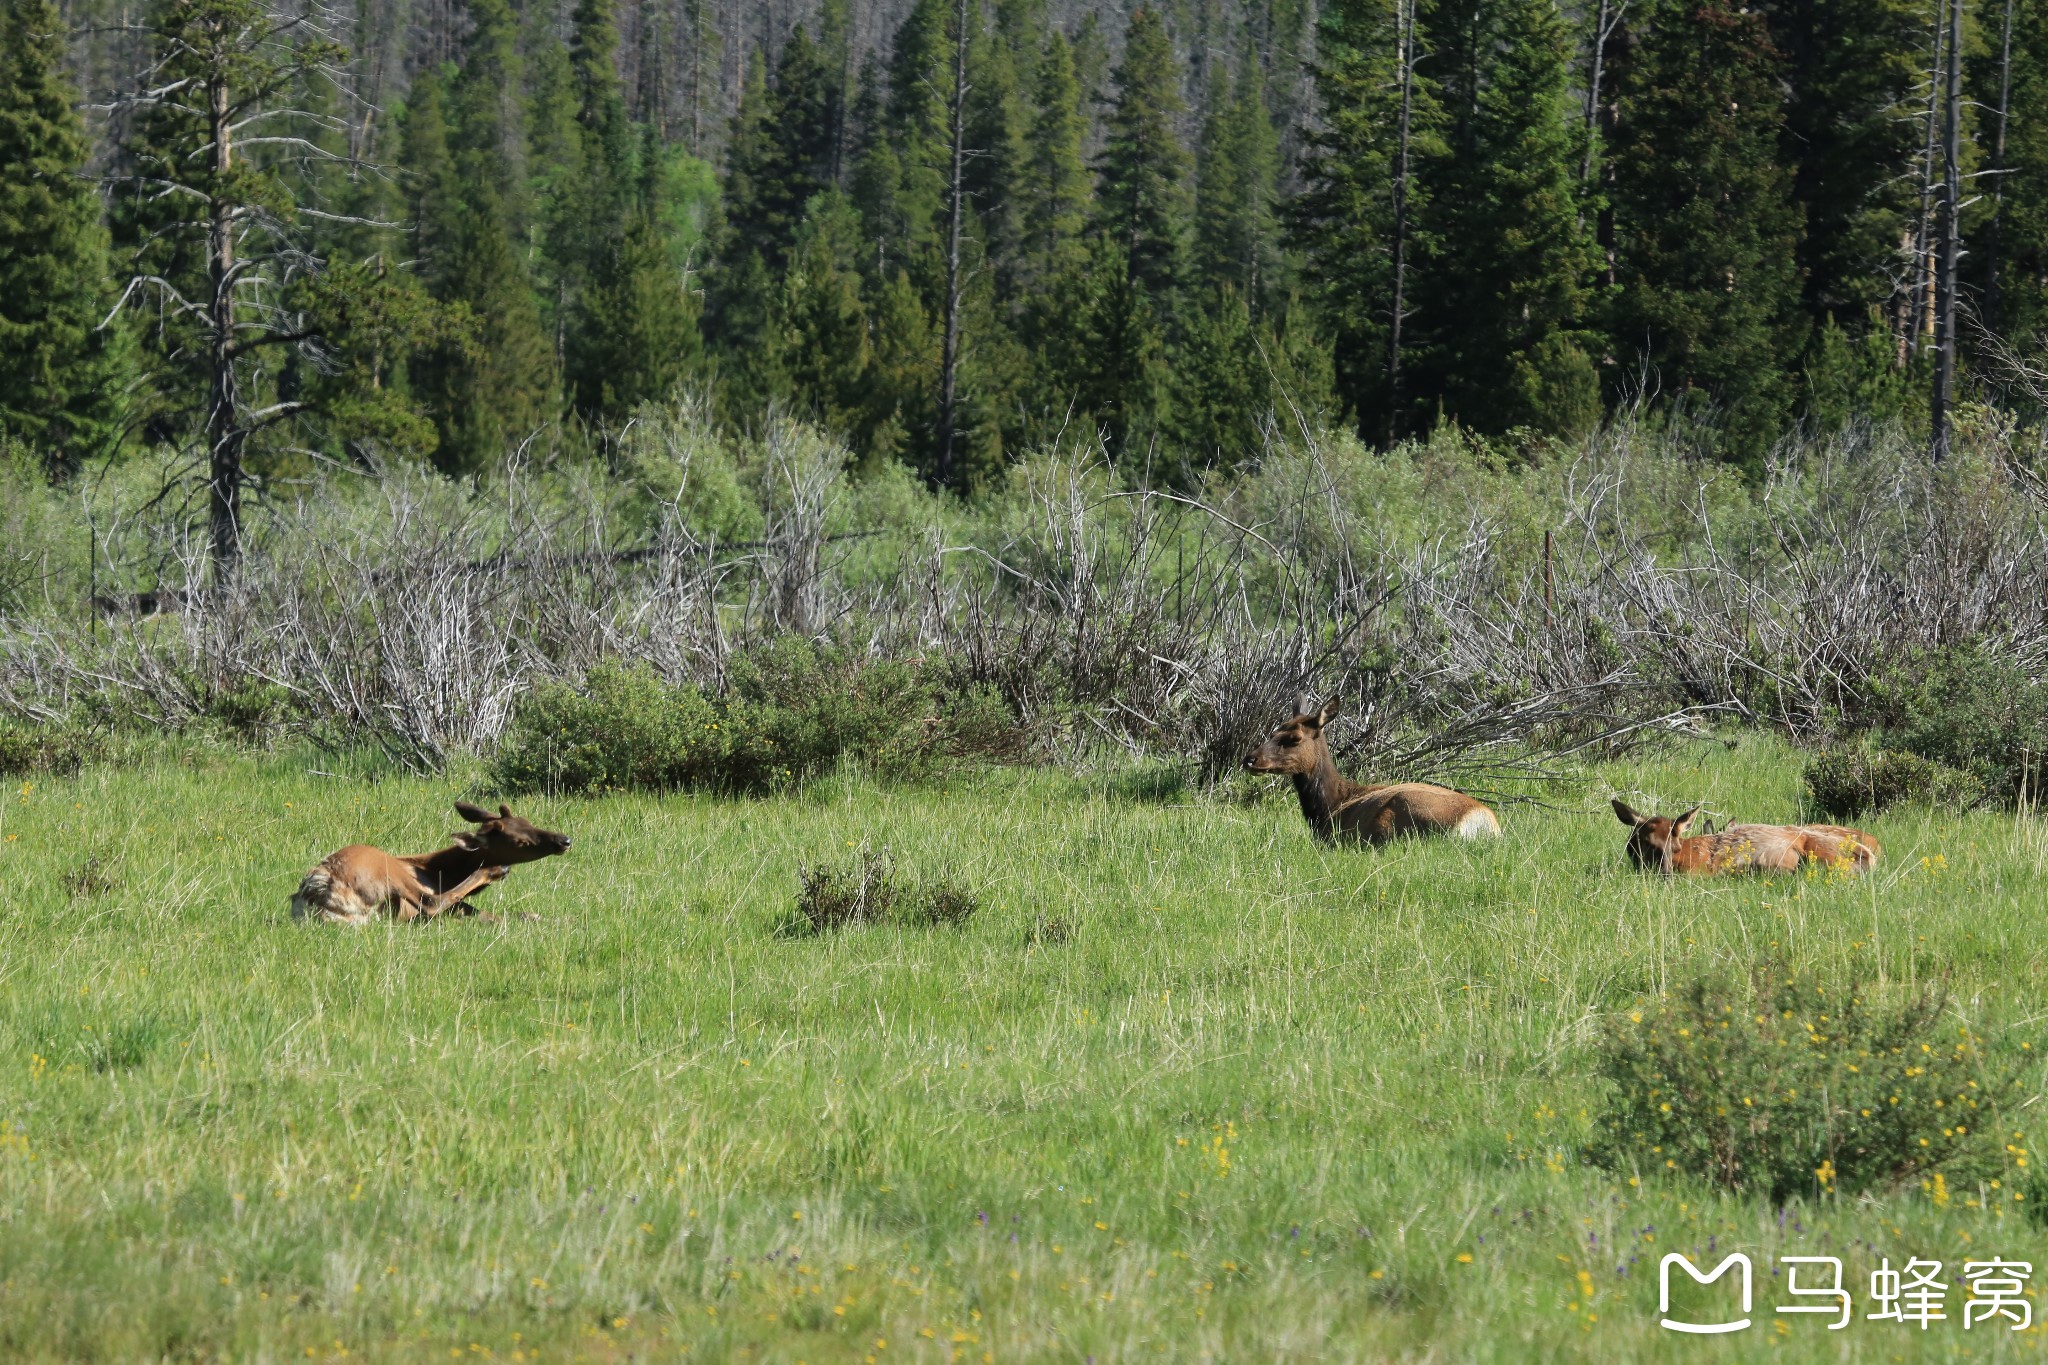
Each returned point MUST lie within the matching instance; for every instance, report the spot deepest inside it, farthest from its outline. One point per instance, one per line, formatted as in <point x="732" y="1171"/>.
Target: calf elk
<point x="1340" y="809"/>
<point x="1661" y="843"/>
<point x="354" y="885"/>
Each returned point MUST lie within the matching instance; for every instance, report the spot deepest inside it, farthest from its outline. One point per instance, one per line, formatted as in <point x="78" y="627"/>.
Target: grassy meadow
<point x="1187" y="1086"/>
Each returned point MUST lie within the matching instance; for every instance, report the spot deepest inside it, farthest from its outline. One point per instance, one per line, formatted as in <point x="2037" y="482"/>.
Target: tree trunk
<point x="1602" y="25"/>
<point x="1919" y="308"/>
<point x="1994" y="302"/>
<point x="949" y="359"/>
<point x="1396" y="381"/>
<point x="223" y="433"/>
<point x="1949" y="252"/>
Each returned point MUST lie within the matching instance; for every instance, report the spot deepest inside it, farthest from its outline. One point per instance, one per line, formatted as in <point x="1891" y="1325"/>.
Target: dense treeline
<point x="953" y="230"/>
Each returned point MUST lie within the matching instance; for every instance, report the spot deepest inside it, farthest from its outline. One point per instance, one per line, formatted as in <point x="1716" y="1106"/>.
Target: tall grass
<point x="1264" y="1100"/>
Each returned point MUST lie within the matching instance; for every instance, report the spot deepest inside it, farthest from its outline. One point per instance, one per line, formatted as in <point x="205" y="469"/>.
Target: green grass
<point x="1267" y="1101"/>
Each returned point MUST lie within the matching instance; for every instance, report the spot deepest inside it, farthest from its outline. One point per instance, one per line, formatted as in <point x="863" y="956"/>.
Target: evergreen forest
<point x="271" y="234"/>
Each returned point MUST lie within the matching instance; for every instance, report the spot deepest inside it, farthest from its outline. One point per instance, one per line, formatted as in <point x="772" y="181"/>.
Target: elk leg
<point x="434" y="905"/>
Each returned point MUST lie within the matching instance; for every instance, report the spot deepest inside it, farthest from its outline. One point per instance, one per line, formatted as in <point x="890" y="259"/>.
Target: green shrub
<point x="55" y="750"/>
<point x="792" y="711"/>
<point x="1792" y="1087"/>
<point x="863" y="891"/>
<point x="944" y="903"/>
<point x="1968" y="708"/>
<point x="868" y="890"/>
<point x="1847" y="781"/>
<point x="253" y="710"/>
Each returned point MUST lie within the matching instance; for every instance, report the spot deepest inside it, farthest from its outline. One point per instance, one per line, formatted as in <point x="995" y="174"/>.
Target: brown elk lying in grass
<point x="1661" y="843"/>
<point x="357" y="883"/>
<point x="1340" y="809"/>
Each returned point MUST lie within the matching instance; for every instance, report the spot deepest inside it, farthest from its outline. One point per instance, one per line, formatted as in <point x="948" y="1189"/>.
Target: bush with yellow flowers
<point x="1789" y="1085"/>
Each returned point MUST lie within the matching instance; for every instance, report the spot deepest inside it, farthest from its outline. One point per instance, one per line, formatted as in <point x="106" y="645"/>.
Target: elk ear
<point x="504" y="811"/>
<point x="465" y="841"/>
<point x="1625" y="814"/>
<point x="1303" y="703"/>
<point x="1331" y="709"/>
<point x="1678" y="825"/>
<point x="475" y="814"/>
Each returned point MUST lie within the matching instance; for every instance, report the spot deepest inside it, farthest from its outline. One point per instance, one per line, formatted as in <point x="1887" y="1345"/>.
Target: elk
<point x="1660" y="843"/>
<point x="1340" y="809"/>
<point x="355" y="884"/>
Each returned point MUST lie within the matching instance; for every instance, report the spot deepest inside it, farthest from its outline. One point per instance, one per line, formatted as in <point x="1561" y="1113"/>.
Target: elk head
<point x="505" y="839"/>
<point x="1653" y="843"/>
<point x="1296" y="749"/>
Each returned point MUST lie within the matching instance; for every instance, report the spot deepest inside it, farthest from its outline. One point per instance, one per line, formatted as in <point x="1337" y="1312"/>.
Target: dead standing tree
<point x="199" y="199"/>
<point x="1948" y="229"/>
<point x="956" y="208"/>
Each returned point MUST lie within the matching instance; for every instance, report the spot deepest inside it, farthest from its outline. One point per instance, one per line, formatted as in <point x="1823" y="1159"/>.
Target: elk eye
<point x="1290" y="740"/>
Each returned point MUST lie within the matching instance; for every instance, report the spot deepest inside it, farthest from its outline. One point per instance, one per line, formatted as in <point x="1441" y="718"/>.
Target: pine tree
<point x="487" y="396"/>
<point x="1054" y="183"/>
<point x="826" y="319"/>
<point x="57" y="372"/>
<point x="1853" y="67"/>
<point x="1143" y="213"/>
<point x="636" y="329"/>
<point x="631" y="327"/>
<point x="1348" y="217"/>
<point x="1706" y="231"/>
<point x="1144" y="203"/>
<point x="1502" y="291"/>
<point x="998" y="125"/>
<point x="2014" y="242"/>
<point x="915" y="126"/>
<point x="1237" y="226"/>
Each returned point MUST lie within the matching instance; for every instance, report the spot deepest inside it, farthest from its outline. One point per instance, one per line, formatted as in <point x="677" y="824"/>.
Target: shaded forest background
<point x="952" y="231"/>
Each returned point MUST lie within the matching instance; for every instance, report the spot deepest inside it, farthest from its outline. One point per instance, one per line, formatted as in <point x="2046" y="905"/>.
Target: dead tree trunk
<point x="1949" y="242"/>
<point x="1994" y="301"/>
<point x="1920" y="301"/>
<point x="956" y="207"/>
<point x="223" y="431"/>
<point x="1603" y="25"/>
<point x="1396" y="381"/>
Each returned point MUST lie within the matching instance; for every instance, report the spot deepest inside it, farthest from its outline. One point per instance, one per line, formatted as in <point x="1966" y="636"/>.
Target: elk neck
<point x="1322" y="792"/>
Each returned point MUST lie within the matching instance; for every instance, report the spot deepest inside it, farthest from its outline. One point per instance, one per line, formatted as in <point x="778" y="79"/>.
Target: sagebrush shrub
<point x="56" y="750"/>
<point x="1969" y="708"/>
<point x="793" y="710"/>
<point x="868" y="890"/>
<point x="1790" y="1086"/>
<point x="863" y="891"/>
<point x="1846" y="781"/>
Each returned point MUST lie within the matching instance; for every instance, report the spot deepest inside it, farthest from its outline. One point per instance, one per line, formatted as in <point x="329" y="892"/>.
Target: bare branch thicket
<point x="1659" y="599"/>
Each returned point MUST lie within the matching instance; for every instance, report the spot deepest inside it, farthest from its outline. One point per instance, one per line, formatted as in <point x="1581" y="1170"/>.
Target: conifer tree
<point x="1143" y="213"/>
<point x="57" y="371"/>
<point x="636" y="330"/>
<point x="1053" y="183"/>
<point x="1346" y="217"/>
<point x="1853" y="66"/>
<point x="916" y="129"/>
<point x="1144" y="202"/>
<point x="2015" y="240"/>
<point x="826" y="346"/>
<point x="1706" y="231"/>
<point x="1236" y="225"/>
<point x="997" y="150"/>
<point x="486" y="396"/>
<point x="1502" y="292"/>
